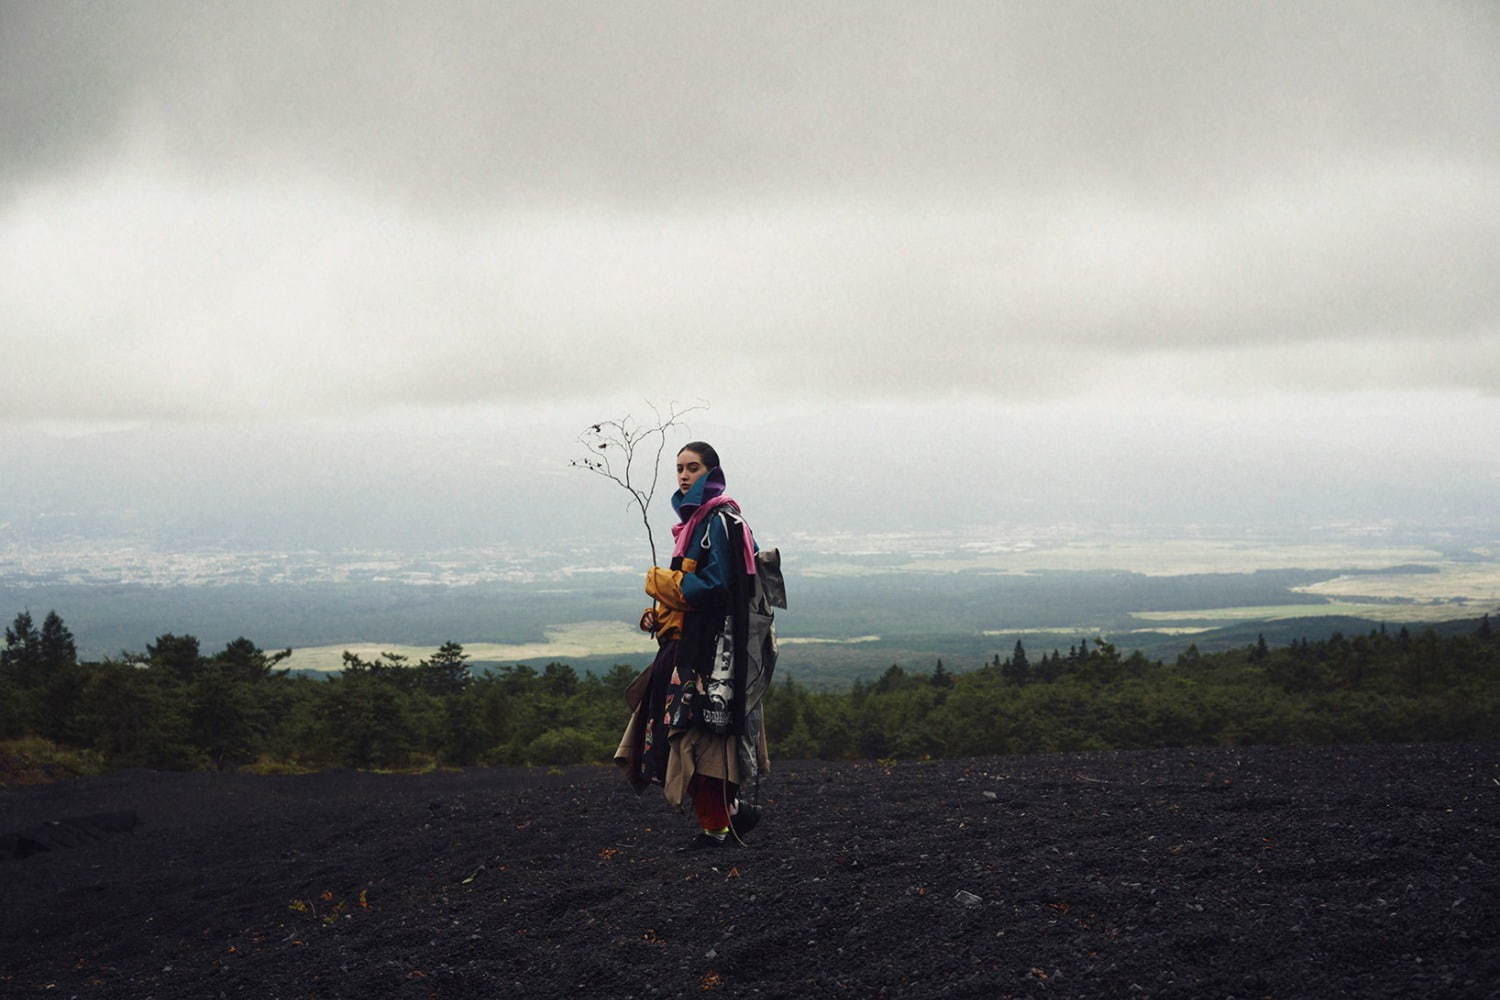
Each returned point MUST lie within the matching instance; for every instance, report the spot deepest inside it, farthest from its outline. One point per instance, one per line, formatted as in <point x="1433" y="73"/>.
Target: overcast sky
<point x="379" y="262"/>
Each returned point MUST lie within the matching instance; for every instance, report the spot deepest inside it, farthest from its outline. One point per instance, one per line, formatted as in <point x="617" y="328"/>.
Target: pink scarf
<point x="685" y="532"/>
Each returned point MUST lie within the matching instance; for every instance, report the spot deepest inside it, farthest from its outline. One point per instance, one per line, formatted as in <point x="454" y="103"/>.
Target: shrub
<point x="265" y="764"/>
<point x="35" y="761"/>
<point x="566" y="746"/>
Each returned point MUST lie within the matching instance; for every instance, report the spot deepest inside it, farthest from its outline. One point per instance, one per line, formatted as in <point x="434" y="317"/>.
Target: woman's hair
<point x="703" y="450"/>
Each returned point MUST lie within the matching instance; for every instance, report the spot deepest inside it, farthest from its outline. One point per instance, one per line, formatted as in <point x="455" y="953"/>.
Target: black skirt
<point x="661" y="692"/>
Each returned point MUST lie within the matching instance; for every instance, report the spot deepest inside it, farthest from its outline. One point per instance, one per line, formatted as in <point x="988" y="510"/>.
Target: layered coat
<point x="703" y="603"/>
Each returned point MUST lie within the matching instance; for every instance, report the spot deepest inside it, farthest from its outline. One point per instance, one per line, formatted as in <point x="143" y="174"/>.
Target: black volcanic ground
<point x="1333" y="872"/>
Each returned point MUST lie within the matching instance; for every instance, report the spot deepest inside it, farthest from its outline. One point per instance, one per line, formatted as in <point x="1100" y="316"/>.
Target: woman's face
<point x="690" y="469"/>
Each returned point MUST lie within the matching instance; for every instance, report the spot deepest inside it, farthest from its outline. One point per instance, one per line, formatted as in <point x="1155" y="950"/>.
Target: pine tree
<point x="55" y="645"/>
<point x="894" y="679"/>
<point x="221" y="715"/>
<point x="177" y="654"/>
<point x="1017" y="669"/>
<point x="559" y="680"/>
<point x="21" y="659"/>
<point x="245" y="661"/>
<point x="447" y="671"/>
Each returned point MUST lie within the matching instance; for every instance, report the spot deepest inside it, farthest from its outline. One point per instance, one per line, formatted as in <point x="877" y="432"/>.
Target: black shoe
<point x="705" y="841"/>
<point x="745" y="820"/>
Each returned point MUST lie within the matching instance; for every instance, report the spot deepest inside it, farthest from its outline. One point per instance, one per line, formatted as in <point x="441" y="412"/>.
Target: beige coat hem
<point x="691" y="751"/>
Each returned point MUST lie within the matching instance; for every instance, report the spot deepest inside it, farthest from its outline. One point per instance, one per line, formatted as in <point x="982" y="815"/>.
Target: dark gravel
<point x="1333" y="872"/>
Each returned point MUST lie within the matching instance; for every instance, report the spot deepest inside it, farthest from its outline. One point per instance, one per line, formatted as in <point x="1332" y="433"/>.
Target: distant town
<point x="31" y="558"/>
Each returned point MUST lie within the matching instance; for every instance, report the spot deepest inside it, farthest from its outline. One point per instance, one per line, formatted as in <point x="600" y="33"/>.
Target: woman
<point x="696" y="725"/>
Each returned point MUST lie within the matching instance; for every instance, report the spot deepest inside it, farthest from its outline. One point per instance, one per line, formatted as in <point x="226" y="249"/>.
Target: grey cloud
<point x="219" y="209"/>
<point x="67" y="75"/>
<point x="285" y="304"/>
<point x="678" y="103"/>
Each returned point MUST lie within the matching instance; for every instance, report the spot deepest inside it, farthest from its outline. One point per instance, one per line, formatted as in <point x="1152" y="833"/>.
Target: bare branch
<point x="611" y="448"/>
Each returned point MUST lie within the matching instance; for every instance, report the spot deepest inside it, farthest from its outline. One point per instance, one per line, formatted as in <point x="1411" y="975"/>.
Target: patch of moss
<point x="265" y="764"/>
<point x="36" y="761"/>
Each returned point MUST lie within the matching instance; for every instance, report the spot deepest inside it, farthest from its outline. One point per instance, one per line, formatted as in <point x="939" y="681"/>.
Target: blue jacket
<point x="700" y="580"/>
<point x="705" y="585"/>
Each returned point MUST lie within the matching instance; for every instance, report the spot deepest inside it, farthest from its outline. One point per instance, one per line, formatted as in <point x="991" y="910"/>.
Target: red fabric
<point x="708" y="802"/>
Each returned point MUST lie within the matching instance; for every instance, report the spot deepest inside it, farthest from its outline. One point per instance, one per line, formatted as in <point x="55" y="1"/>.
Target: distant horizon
<point x="95" y="556"/>
<point x="844" y="588"/>
<point x="477" y="479"/>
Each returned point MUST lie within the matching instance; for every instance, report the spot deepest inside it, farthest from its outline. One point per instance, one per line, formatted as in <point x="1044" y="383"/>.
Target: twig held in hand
<point x="612" y="447"/>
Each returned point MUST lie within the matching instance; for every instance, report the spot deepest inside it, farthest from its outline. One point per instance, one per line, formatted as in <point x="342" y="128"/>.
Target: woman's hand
<point x="649" y="621"/>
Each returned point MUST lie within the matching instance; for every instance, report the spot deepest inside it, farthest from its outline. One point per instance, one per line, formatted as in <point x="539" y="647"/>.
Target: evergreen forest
<point x="176" y="706"/>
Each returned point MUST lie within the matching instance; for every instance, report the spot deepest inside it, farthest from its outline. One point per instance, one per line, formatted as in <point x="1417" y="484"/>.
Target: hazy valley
<point x="859" y="601"/>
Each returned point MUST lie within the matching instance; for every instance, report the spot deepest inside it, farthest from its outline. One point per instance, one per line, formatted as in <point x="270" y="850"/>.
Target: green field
<point x="1385" y="612"/>
<point x="564" y="643"/>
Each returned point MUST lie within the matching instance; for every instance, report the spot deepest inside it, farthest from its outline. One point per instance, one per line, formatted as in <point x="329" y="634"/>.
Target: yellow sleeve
<point x="666" y="586"/>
